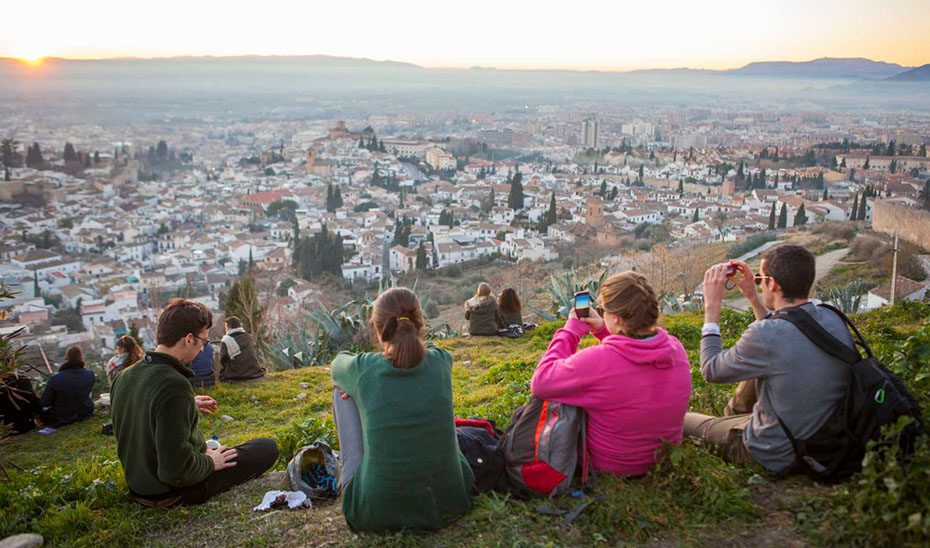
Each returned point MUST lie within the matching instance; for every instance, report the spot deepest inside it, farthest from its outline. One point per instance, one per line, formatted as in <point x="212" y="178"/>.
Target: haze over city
<point x="717" y="34"/>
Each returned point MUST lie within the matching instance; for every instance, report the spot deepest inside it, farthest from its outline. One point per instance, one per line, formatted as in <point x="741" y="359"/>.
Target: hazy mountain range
<point x="296" y="86"/>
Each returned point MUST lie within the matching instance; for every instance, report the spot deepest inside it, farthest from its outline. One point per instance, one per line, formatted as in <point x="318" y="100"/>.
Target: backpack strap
<point x="816" y="333"/>
<point x="858" y="339"/>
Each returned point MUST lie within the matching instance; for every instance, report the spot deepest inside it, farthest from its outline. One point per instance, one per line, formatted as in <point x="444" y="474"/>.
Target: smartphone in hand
<point x="582" y="304"/>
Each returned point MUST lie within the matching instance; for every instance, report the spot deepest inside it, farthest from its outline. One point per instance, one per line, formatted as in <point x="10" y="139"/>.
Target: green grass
<point x="73" y="493"/>
<point x="871" y="274"/>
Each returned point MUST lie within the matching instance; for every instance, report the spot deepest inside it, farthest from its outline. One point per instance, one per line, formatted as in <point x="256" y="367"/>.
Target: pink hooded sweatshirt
<point x="635" y="392"/>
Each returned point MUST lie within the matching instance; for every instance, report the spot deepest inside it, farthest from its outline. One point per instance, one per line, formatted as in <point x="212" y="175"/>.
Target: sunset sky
<point x="503" y="33"/>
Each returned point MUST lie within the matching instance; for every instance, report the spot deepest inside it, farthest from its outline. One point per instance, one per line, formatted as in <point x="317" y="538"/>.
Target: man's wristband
<point x="710" y="329"/>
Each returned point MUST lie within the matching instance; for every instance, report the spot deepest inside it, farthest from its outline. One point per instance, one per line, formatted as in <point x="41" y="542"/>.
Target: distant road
<point x="413" y="171"/>
<point x="761" y="249"/>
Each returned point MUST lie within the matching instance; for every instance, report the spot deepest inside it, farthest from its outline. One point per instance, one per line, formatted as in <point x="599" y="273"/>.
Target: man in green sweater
<point x="155" y="416"/>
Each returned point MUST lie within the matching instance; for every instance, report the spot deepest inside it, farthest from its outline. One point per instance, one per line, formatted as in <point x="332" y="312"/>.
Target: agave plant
<point x="669" y="303"/>
<point x="10" y="362"/>
<point x="296" y="347"/>
<point x="326" y="332"/>
<point x="847" y="298"/>
<point x="444" y="331"/>
<point x="562" y="289"/>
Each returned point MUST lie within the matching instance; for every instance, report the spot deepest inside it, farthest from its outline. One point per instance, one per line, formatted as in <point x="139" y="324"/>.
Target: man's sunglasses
<point x="206" y="341"/>
<point x="759" y="277"/>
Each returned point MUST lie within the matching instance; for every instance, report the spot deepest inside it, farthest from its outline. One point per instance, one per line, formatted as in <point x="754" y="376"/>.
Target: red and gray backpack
<point x="541" y="447"/>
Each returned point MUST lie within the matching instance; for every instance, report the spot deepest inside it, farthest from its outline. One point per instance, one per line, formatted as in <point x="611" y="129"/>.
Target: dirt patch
<point x="228" y="520"/>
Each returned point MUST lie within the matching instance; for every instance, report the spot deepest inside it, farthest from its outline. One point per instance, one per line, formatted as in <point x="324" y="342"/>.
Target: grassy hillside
<point x="72" y="490"/>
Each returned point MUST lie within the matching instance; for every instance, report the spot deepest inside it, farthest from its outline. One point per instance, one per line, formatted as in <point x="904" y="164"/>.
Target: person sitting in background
<point x="778" y="368"/>
<point x="19" y="404"/>
<point x="481" y="312"/>
<point x="128" y="352"/>
<point x="238" y="360"/>
<point x="401" y="464"/>
<point x="155" y="414"/>
<point x="509" y="309"/>
<point x="634" y="385"/>
<point x="202" y="366"/>
<point x="67" y="396"/>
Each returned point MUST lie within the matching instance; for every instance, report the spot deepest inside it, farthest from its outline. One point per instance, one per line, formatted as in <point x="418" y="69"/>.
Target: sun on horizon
<point x="29" y="59"/>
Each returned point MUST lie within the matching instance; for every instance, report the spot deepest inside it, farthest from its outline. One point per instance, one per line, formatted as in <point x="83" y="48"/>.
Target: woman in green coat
<point x="481" y="312"/>
<point x="401" y="464"/>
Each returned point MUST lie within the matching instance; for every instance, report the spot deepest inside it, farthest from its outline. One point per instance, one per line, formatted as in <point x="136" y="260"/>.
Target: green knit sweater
<point x="155" y="423"/>
<point x="413" y="475"/>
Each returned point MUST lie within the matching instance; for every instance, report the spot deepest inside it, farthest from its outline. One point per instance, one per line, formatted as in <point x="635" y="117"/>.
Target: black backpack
<point x="875" y="398"/>
<point x="479" y="442"/>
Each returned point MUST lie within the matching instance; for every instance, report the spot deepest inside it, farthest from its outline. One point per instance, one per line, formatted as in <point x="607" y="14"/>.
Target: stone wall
<point x="909" y="223"/>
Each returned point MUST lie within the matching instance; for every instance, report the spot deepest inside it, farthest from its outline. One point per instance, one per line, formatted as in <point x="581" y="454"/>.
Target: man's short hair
<point x="181" y="317"/>
<point x="74" y="355"/>
<point x="233" y="322"/>
<point x="793" y="267"/>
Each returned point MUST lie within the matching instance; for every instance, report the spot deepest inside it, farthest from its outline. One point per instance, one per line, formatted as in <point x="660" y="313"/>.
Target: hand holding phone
<point x="582" y="304"/>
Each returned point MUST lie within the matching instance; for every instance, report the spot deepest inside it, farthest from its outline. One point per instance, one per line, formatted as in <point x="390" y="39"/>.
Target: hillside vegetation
<point x="72" y="490"/>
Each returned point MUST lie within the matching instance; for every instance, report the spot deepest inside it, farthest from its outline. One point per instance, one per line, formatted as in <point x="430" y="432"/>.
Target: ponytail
<point x="405" y="349"/>
<point x="398" y="320"/>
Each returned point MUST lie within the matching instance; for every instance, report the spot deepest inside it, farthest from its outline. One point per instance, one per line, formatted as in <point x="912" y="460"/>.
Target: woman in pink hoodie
<point x="634" y="385"/>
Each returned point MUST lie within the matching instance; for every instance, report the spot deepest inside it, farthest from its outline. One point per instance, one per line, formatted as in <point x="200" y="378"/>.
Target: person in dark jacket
<point x="238" y="360"/>
<point x="67" y="396"/>
<point x="481" y="312"/>
<point x="165" y="458"/>
<point x="19" y="404"/>
<point x="509" y="309"/>
<point x="202" y="366"/>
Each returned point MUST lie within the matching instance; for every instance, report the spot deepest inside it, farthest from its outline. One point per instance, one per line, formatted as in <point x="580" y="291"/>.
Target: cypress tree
<point x="421" y="257"/>
<point x="515" y="198"/>
<point x="800" y="218"/>
<point x="854" y="214"/>
<point x="552" y="215"/>
<point x="696" y="217"/>
<point x="783" y="216"/>
<point x="243" y="302"/>
<point x="862" y="209"/>
<point x="772" y="217"/>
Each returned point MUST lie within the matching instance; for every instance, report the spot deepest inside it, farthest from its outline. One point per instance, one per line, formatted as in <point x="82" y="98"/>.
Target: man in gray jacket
<point x="779" y="370"/>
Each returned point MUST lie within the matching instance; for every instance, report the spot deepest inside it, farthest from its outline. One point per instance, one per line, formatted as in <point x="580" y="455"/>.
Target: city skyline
<point x="722" y="34"/>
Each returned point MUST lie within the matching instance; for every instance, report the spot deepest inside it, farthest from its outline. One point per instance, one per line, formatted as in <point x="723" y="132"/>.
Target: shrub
<point x="747" y="245"/>
<point x="304" y="432"/>
<point x="836" y="230"/>
<point x="865" y="248"/>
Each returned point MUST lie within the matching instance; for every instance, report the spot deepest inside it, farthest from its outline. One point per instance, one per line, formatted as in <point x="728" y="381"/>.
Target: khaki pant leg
<point x="724" y="435"/>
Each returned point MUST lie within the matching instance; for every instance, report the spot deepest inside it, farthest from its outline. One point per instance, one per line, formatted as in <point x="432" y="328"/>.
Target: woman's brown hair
<point x="397" y="319"/>
<point x="132" y="348"/>
<point x="508" y="301"/>
<point x="629" y="296"/>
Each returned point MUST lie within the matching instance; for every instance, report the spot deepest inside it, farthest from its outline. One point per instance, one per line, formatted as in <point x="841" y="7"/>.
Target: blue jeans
<point x="349" y="430"/>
